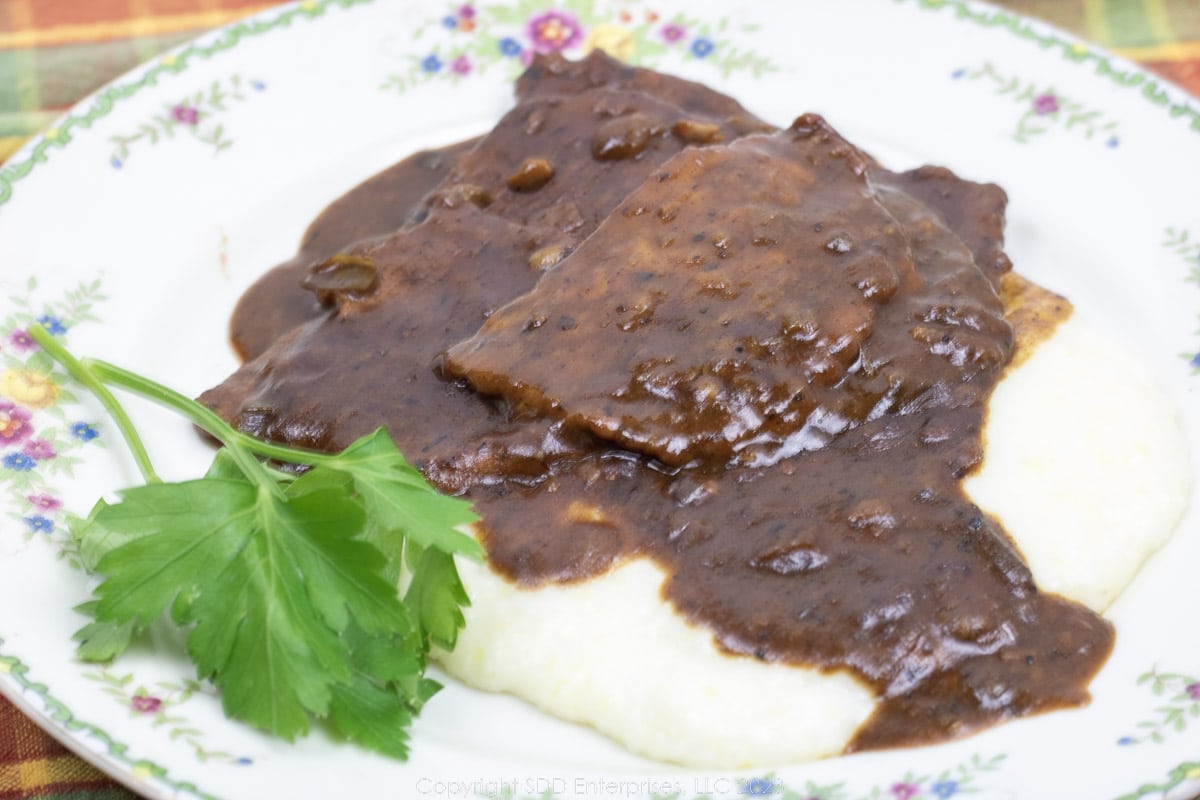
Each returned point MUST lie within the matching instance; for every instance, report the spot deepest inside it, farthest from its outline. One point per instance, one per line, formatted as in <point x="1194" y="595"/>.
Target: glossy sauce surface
<point x="803" y="492"/>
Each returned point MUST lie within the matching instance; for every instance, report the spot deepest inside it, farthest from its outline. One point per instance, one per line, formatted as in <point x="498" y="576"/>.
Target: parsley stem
<point x="204" y="417"/>
<point x="82" y="373"/>
<point x="94" y="373"/>
<point x="198" y="414"/>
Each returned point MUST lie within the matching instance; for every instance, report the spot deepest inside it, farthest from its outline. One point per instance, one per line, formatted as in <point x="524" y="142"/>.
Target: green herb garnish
<point x="287" y="583"/>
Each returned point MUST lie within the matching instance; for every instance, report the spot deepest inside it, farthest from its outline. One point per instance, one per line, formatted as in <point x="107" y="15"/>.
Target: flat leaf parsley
<point x="287" y="584"/>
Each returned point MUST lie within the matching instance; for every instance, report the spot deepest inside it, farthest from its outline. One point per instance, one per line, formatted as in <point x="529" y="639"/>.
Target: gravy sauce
<point x="831" y="528"/>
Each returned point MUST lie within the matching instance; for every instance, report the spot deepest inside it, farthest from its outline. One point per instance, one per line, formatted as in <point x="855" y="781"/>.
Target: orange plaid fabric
<point x="53" y="52"/>
<point x="34" y="765"/>
<point x="1161" y="35"/>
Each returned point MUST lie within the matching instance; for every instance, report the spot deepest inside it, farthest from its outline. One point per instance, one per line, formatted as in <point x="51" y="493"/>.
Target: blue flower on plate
<point x="944" y="789"/>
<point x="39" y="524"/>
<point x="758" y="787"/>
<point x="510" y="47"/>
<point x="52" y="324"/>
<point x="702" y="48"/>
<point x="431" y="63"/>
<point x="84" y="432"/>
<point x="19" y="462"/>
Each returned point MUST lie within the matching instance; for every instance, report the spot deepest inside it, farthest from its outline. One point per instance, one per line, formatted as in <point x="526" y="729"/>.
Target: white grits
<point x="1084" y="465"/>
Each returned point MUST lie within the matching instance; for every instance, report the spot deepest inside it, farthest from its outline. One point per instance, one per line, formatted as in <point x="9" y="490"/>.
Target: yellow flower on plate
<point x="5" y="668"/>
<point x="612" y="39"/>
<point x="28" y="389"/>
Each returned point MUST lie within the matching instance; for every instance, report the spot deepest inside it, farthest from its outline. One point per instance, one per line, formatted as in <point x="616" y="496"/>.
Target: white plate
<point x="145" y="212"/>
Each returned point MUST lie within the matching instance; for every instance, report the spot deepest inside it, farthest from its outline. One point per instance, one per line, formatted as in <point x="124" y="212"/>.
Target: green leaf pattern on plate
<point x="1179" y="703"/>
<point x="197" y="114"/>
<point x="159" y="703"/>
<point x="1181" y="242"/>
<point x="1118" y="72"/>
<point x="1042" y="107"/>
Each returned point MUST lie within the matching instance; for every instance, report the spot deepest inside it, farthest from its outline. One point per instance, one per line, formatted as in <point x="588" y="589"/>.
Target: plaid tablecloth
<point x="53" y="52"/>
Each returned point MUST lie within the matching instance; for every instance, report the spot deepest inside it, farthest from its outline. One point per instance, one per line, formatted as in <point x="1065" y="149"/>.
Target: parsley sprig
<point x="287" y="583"/>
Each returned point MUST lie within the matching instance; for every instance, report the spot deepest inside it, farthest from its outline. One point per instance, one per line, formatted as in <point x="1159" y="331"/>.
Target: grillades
<point x="813" y="513"/>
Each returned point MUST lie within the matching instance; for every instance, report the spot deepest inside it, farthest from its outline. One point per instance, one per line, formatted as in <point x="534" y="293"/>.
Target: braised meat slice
<point x="974" y="211"/>
<point x="718" y="309"/>
<point x="654" y="108"/>
<point x="560" y="164"/>
<point x="600" y="143"/>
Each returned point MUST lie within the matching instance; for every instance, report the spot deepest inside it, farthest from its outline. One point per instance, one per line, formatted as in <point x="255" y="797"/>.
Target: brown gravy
<point x="860" y="553"/>
<point x="278" y="301"/>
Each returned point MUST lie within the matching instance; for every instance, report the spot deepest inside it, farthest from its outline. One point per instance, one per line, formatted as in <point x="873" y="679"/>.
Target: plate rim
<point x="14" y="683"/>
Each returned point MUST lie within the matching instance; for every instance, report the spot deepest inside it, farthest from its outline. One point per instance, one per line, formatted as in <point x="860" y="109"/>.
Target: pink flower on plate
<point x="21" y="340"/>
<point x="1045" y="103"/>
<point x="188" y="115"/>
<point x="145" y="704"/>
<point x="44" y="502"/>
<point x="905" y="790"/>
<point x="673" y="33"/>
<point x="39" y="450"/>
<point x="15" y="426"/>
<point x="1193" y="691"/>
<point x="554" y="30"/>
<point x="461" y="66"/>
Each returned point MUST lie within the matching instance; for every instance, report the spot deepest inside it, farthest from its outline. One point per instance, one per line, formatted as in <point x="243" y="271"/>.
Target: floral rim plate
<point x="131" y="227"/>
